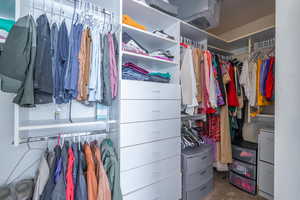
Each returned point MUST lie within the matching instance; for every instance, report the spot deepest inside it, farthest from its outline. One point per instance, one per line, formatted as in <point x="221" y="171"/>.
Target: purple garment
<point x="163" y="58"/>
<point x="58" y="170"/>
<point x="262" y="71"/>
<point x="265" y="77"/>
<point x="210" y="141"/>
<point x="135" y="67"/>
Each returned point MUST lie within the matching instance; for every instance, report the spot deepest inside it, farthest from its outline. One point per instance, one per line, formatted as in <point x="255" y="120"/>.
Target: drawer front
<point x="266" y="177"/>
<point x="138" y="178"/>
<point x="197" y="163"/>
<point x="266" y="147"/>
<point x="143" y="132"/>
<point x="244" y="169"/>
<point x="167" y="189"/>
<point x="195" y="180"/>
<point x="200" y="192"/>
<point x="245" y="184"/>
<point x="149" y="90"/>
<point x="136" y="156"/>
<point x="244" y="154"/>
<point x="147" y="110"/>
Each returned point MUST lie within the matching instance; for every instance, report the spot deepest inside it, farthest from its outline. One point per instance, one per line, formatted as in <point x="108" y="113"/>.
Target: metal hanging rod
<point x="191" y="42"/>
<point x="264" y="44"/>
<point x="67" y="135"/>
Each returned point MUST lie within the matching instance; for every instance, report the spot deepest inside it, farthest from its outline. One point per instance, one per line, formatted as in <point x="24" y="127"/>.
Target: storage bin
<point x="200" y="192"/>
<point x="244" y="169"/>
<point x="195" y="160"/>
<point x="245" y="184"/>
<point x="244" y="154"/>
<point x="197" y="179"/>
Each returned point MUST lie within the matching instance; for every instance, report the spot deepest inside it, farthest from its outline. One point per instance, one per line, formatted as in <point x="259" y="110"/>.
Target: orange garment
<point x="129" y="21"/>
<point x="261" y="100"/>
<point x="92" y="186"/>
<point x="103" y="192"/>
<point x="84" y="65"/>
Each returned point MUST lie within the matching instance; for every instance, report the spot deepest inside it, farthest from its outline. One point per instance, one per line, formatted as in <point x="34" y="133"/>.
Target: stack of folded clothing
<point x="131" y="45"/>
<point x="160" y="77"/>
<point x="131" y="71"/>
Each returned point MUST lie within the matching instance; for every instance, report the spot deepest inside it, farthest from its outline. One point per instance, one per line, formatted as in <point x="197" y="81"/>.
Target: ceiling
<point x="235" y="13"/>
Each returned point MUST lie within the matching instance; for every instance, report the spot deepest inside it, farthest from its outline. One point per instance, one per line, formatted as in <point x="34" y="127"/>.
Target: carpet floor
<point x="225" y="191"/>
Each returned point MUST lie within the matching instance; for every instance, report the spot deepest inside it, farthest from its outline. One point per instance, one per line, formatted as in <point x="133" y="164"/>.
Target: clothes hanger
<point x="29" y="149"/>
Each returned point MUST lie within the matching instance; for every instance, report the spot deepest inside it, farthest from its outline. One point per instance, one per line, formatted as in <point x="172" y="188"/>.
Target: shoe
<point x="161" y="33"/>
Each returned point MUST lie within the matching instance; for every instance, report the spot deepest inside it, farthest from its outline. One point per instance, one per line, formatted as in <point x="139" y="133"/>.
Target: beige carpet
<point x="225" y="191"/>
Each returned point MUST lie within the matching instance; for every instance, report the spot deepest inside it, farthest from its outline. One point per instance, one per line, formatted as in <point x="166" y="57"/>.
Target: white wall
<point x="9" y="154"/>
<point x="287" y="109"/>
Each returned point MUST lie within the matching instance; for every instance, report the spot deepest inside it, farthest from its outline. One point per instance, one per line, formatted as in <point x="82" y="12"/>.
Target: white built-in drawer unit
<point x="143" y="132"/>
<point x="266" y="164"/>
<point x="149" y="90"/>
<point x="266" y="177"/>
<point x="141" y="177"/>
<point x="266" y="146"/>
<point x="147" y="110"/>
<point x="139" y="155"/>
<point x="167" y="189"/>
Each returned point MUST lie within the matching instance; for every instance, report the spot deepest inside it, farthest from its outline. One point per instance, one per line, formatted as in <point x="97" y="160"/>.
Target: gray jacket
<point x="17" y="61"/>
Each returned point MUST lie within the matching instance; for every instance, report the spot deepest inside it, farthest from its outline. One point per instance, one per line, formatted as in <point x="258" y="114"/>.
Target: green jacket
<point x="112" y="168"/>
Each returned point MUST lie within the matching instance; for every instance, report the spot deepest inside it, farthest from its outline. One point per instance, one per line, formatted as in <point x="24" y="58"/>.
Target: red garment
<point x="69" y="176"/>
<point x="232" y="97"/>
<point x="270" y="80"/>
<point x="213" y="127"/>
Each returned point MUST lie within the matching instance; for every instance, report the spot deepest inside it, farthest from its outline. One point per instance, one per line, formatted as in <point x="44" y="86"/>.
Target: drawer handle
<point x="203" y="158"/>
<point x="156" y="198"/>
<point x="156" y="111"/>
<point x="202" y="173"/>
<point x="203" y="188"/>
<point x="155" y="91"/>
<point x="156" y="132"/>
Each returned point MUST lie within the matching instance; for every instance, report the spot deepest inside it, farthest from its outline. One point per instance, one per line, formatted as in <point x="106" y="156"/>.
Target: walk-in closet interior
<point x="137" y="99"/>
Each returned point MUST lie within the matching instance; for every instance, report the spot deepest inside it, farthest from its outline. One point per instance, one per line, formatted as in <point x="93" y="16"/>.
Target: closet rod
<point x="104" y="11"/>
<point x="68" y="135"/>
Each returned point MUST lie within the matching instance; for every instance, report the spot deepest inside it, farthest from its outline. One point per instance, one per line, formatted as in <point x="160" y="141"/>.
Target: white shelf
<point x="147" y="16"/>
<point x="149" y="40"/>
<point x="147" y="60"/>
<point x="61" y="124"/>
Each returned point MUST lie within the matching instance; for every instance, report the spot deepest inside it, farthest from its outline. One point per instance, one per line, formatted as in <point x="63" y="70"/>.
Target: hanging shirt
<point x="61" y="64"/>
<point x="270" y="80"/>
<point x="188" y="82"/>
<point x="261" y="101"/>
<point x="113" y="67"/>
<point x="84" y="69"/>
<point x="90" y="174"/>
<point x="42" y="178"/>
<point x="232" y="98"/>
<point x="71" y="79"/>
<point x="197" y="59"/>
<point x="54" y="37"/>
<point x="106" y="88"/>
<point x="95" y="88"/>
<point x="43" y="85"/>
<point x="69" y="176"/>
